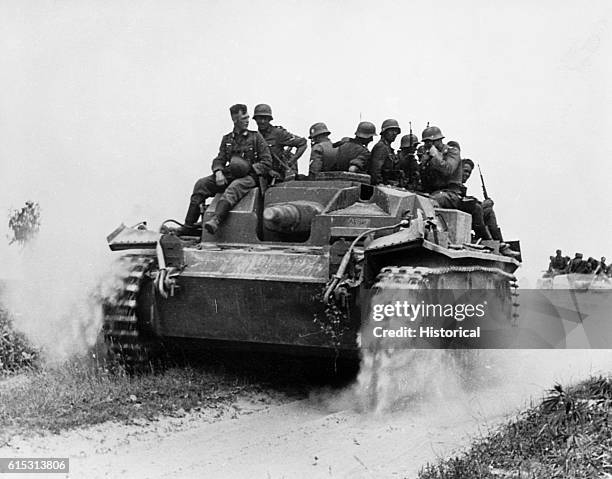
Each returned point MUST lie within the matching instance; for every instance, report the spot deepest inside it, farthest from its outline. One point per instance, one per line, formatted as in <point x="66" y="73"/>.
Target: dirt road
<point x="323" y="436"/>
<point x="298" y="439"/>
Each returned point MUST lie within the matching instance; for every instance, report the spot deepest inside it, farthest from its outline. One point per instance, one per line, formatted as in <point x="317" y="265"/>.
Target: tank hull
<point x="302" y="285"/>
<point x="266" y="312"/>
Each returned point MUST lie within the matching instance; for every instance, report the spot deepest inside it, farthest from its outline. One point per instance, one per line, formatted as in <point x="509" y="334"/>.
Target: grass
<point x="79" y="393"/>
<point x="568" y="435"/>
<point x="15" y="352"/>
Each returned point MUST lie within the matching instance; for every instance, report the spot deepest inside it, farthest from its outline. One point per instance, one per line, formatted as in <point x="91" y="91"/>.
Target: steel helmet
<point x="432" y="133"/>
<point x="318" y="129"/>
<point x="239" y="167"/>
<point x="388" y="124"/>
<point x="409" y="140"/>
<point x="263" y="110"/>
<point x="365" y="129"/>
<point x="467" y="161"/>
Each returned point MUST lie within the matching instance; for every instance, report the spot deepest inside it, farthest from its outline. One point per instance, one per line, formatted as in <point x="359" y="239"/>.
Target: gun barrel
<point x="292" y="217"/>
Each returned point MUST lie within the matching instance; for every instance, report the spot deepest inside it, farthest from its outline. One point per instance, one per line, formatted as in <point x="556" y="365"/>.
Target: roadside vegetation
<point x="568" y="435"/>
<point x="79" y="393"/>
<point x="83" y="392"/>
<point x="16" y="355"/>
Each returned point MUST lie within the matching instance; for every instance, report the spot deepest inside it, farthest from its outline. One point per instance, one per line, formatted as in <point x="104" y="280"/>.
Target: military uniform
<point x="444" y="170"/>
<point x="384" y="164"/>
<point x="409" y="166"/>
<point x="351" y="153"/>
<point x="249" y="145"/>
<point x="322" y="157"/>
<point x="490" y="220"/>
<point x="558" y="263"/>
<point x="575" y="264"/>
<point x="430" y="179"/>
<point x="602" y="267"/>
<point x="278" y="139"/>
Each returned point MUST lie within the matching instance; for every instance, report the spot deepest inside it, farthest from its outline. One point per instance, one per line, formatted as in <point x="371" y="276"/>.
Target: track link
<point x="125" y="335"/>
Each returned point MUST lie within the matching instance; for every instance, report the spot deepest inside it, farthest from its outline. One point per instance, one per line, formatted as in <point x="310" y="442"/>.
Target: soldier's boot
<point x="191" y="218"/>
<point x="504" y="248"/>
<point x="221" y="212"/>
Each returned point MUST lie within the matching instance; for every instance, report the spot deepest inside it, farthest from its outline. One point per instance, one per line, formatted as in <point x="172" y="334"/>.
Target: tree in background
<point x="24" y="223"/>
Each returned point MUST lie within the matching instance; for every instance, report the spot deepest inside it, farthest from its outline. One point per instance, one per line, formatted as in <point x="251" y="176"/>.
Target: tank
<point x="292" y="269"/>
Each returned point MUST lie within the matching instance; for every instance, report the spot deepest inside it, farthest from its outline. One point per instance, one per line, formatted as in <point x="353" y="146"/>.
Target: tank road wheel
<point x="128" y="315"/>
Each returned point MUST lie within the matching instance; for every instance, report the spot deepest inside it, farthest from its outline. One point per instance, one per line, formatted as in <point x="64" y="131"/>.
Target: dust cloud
<point x="56" y="300"/>
<point x="468" y="384"/>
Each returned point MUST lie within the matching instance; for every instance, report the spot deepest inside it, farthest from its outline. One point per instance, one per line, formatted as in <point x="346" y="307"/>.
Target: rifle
<point x="410" y="123"/>
<point x="281" y="162"/>
<point x="484" y="188"/>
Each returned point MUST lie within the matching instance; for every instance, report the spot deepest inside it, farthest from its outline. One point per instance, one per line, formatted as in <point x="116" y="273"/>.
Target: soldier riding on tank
<point x="558" y="263"/>
<point x="322" y="152"/>
<point x="408" y="162"/>
<point x="353" y="155"/>
<point x="384" y="163"/>
<point x="441" y="164"/>
<point x="243" y="158"/>
<point x="280" y="141"/>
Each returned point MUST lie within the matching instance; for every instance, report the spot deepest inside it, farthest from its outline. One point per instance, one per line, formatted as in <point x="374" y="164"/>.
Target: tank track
<point x="378" y="363"/>
<point x="411" y="277"/>
<point x="128" y="342"/>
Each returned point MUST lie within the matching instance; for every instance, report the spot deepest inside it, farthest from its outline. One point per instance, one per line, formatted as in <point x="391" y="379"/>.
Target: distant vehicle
<point x="574" y="281"/>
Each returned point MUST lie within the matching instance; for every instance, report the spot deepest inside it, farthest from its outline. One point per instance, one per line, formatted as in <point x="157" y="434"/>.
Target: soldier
<point x="483" y="217"/>
<point x="441" y="168"/>
<point x="243" y="158"/>
<point x="353" y="155"/>
<point x="558" y="263"/>
<point x="280" y="141"/>
<point x="384" y="163"/>
<point x="602" y="268"/>
<point x="471" y="204"/>
<point x="322" y="152"/>
<point x="443" y="162"/>
<point x="593" y="264"/>
<point x="408" y="162"/>
<point x="576" y="263"/>
<point x="488" y="215"/>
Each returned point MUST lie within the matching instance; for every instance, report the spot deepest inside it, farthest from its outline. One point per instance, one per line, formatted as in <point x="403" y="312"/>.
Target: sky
<point x="110" y="110"/>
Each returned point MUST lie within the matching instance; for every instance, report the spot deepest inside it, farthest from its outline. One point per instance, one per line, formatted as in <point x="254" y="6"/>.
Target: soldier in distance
<point x="576" y="264"/>
<point x="601" y="267"/>
<point x="558" y="263"/>
<point x="243" y="158"/>
<point x="280" y="141"/>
